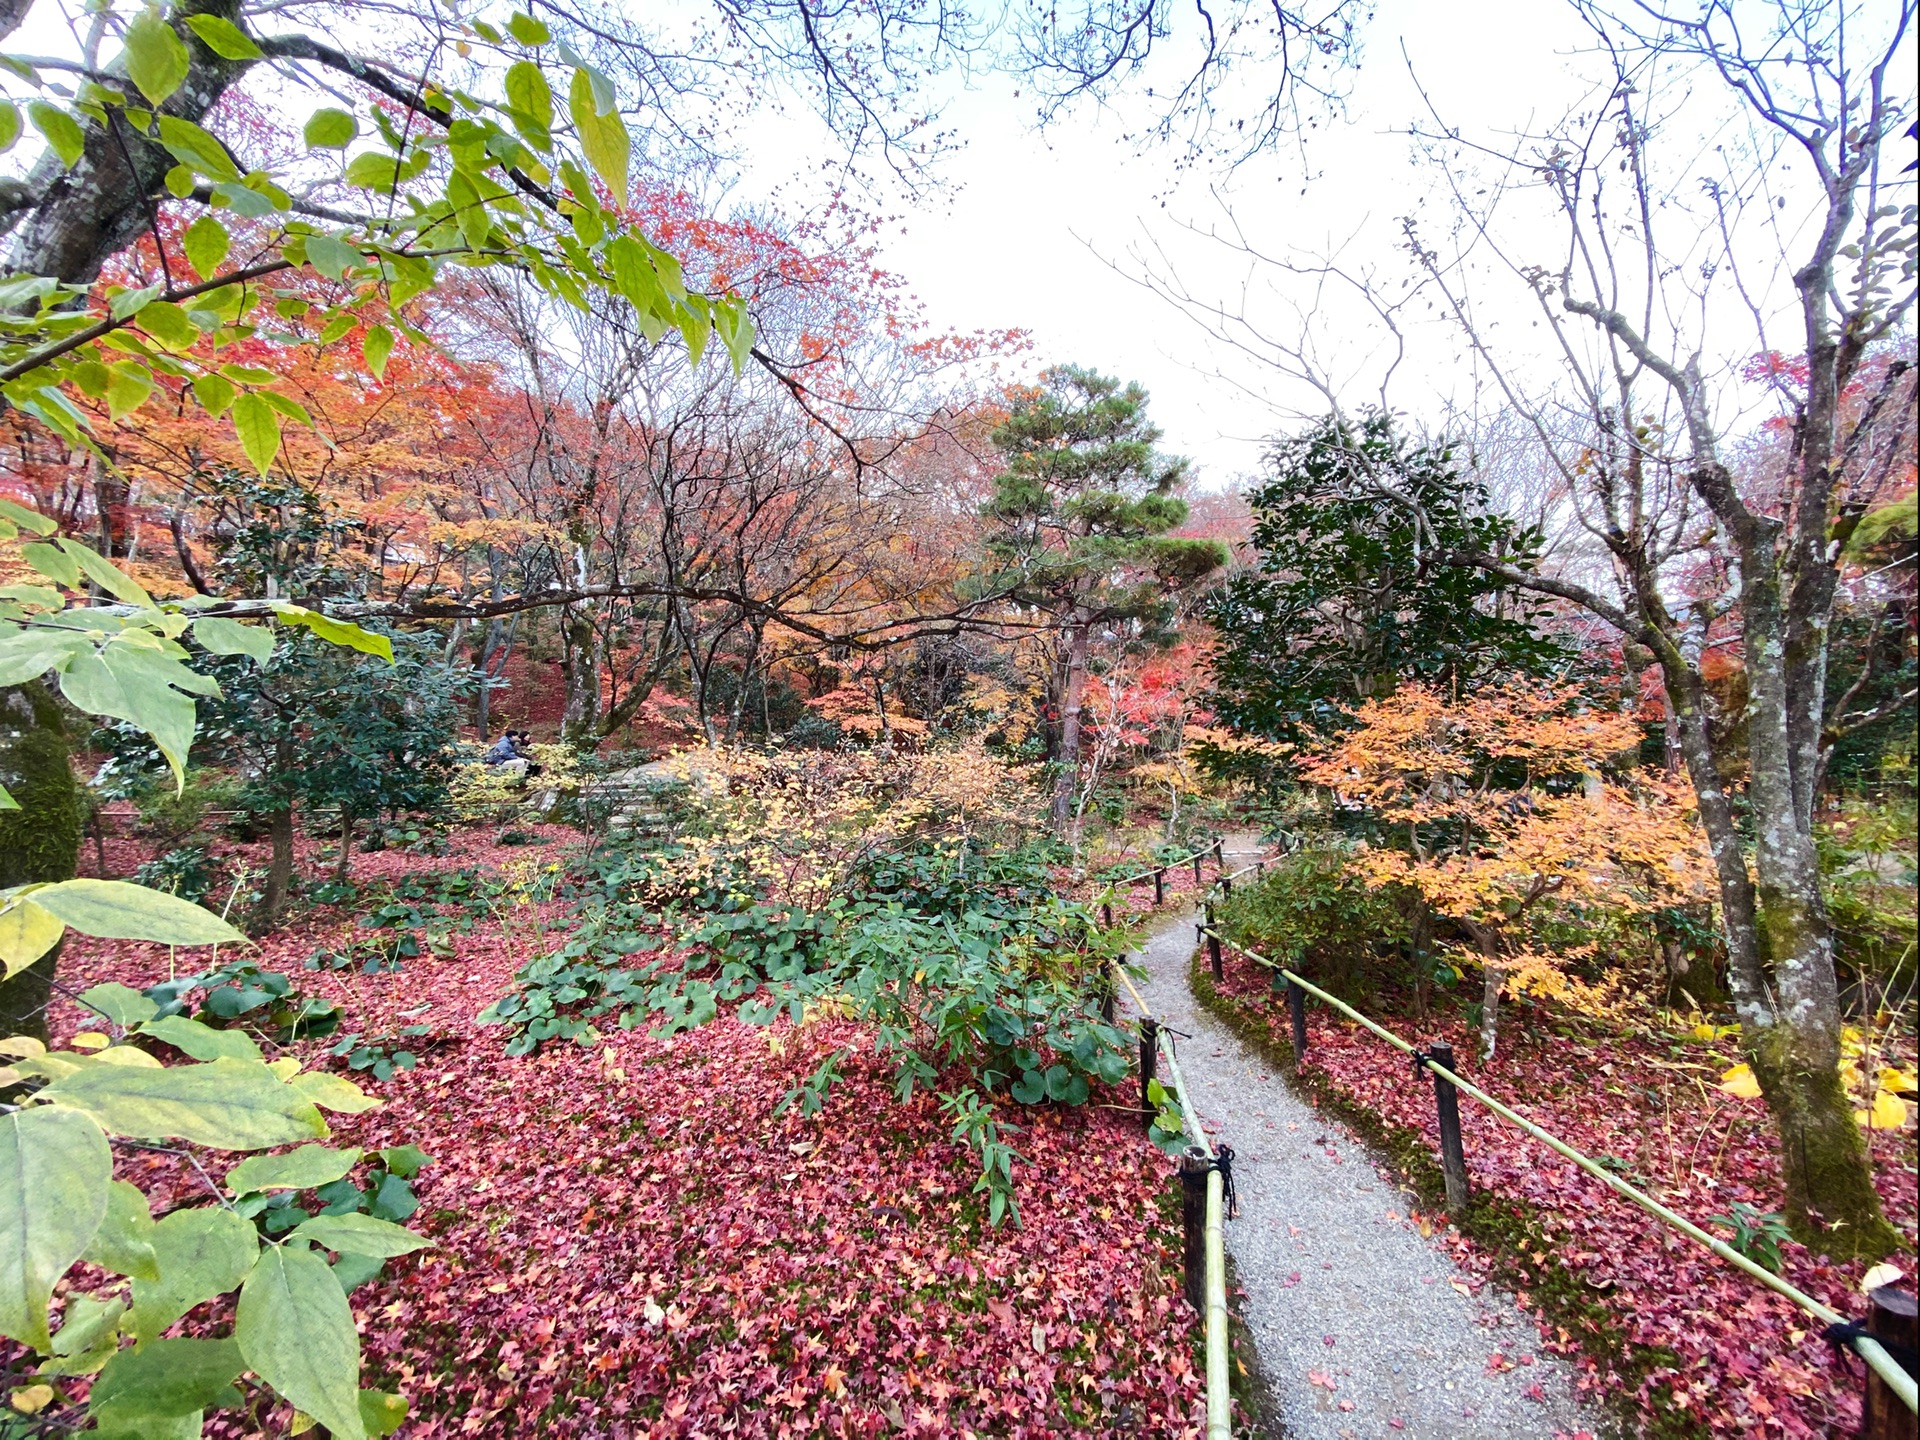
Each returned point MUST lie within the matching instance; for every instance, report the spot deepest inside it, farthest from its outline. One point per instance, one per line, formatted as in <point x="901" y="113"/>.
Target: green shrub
<point x="175" y="815"/>
<point x="186" y="872"/>
<point x="1312" y="914"/>
<point x="975" y="981"/>
<point x="1867" y="863"/>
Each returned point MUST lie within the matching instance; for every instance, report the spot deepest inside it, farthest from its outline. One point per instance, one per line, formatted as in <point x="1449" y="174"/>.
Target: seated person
<point x="510" y="756"/>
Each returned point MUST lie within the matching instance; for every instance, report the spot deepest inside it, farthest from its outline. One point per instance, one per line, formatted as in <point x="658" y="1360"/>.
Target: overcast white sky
<point x="1017" y="243"/>
<point x="1020" y="238"/>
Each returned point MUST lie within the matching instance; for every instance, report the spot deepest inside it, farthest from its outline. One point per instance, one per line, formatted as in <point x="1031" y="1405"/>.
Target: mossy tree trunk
<point x="279" y="881"/>
<point x="40" y="841"/>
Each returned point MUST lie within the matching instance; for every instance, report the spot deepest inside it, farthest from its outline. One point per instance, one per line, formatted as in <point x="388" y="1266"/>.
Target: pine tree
<point x="1084" y="507"/>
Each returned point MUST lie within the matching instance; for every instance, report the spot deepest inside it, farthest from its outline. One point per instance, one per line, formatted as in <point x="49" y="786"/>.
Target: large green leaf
<point x="333" y="1092"/>
<point x="381" y="1412"/>
<point x="121" y="910"/>
<point x="164" y="1378"/>
<point x="330" y="129"/>
<point x="54" y="1171"/>
<point x="156" y="60"/>
<point x="89" y="1333"/>
<point x="173" y="1427"/>
<point x="214" y="392"/>
<point x="340" y="632"/>
<point x="527" y="30"/>
<point x="124" y="1241"/>
<point x="206" y="242"/>
<point x="136" y="658"/>
<point x="227" y="1104"/>
<point x="32" y="521"/>
<point x="191" y="145"/>
<point x="200" y="1254"/>
<point x="258" y="425"/>
<point x="531" y="99"/>
<point x="361" y="1235"/>
<point x="104" y="573"/>
<point x="53" y="562"/>
<point x="296" y="1330"/>
<point x="28" y="654"/>
<point x="163" y="712"/>
<point x="301" y="1169"/>
<point x="60" y="130"/>
<point x="377" y="346"/>
<point x="223" y="37"/>
<point x="170" y="327"/>
<point x="123" y="1005"/>
<point x="218" y="635"/>
<point x="332" y="257"/>
<point x="202" y="1042"/>
<point x="603" y="135"/>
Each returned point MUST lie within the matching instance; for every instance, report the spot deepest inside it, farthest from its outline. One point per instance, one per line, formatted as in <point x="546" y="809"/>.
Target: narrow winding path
<point x="1360" y="1330"/>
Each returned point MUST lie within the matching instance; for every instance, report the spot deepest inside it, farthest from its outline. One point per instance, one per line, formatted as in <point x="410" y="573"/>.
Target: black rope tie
<point x="1844" y="1336"/>
<point x="1223" y="1162"/>
<point x="1420" y="1059"/>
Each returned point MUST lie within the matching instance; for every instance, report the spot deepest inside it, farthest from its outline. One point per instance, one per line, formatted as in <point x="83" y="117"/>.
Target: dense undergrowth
<point x="650" y="1235"/>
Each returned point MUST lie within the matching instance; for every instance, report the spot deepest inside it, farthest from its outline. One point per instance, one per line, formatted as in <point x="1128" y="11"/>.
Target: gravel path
<point x="1358" y="1324"/>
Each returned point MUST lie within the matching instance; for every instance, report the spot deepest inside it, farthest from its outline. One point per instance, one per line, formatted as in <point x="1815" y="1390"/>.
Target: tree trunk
<point x="40" y="841"/>
<point x="1420" y="942"/>
<point x="1780" y="957"/>
<point x="1496" y="977"/>
<point x="341" y="873"/>
<point x="1069" y="756"/>
<point x="580" y="670"/>
<point x="279" y="883"/>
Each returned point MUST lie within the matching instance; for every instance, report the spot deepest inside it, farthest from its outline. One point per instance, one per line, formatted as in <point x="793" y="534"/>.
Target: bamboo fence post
<point x="1219" y="1386"/>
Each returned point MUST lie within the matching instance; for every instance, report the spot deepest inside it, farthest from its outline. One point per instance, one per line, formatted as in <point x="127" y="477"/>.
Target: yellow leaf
<point x="26" y="933"/>
<point x="91" y="1040"/>
<point x="1740" y="1082"/>
<point x="32" y="1399"/>
<point x="126" y="1055"/>
<point x="1901" y="1082"/>
<point x="1889" y="1112"/>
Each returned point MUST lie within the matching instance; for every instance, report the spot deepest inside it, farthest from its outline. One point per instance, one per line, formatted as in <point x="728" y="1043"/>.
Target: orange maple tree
<point x="1516" y="807"/>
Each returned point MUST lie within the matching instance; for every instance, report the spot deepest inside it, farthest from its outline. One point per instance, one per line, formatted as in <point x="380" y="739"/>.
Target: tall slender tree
<point x="1084" y="510"/>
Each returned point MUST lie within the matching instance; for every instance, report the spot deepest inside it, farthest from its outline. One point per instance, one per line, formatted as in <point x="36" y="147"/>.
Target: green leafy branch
<point x="59" y="1204"/>
<point x="441" y="176"/>
<point x="125" y="661"/>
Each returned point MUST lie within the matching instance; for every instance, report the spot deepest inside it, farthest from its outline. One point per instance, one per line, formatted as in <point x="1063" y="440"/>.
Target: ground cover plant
<point x="640" y="1237"/>
<point x="902" y="893"/>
